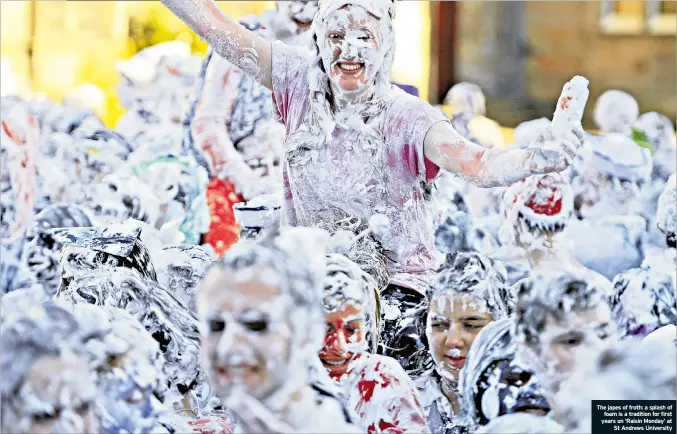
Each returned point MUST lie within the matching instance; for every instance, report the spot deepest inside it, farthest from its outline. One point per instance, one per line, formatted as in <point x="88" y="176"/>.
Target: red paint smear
<point x="223" y="228"/>
<point x="12" y="135"/>
<point x="383" y="426"/>
<point x="564" y="102"/>
<point x="206" y="426"/>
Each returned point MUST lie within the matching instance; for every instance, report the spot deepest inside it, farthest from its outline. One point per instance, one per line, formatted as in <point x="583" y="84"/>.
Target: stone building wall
<point x="560" y="40"/>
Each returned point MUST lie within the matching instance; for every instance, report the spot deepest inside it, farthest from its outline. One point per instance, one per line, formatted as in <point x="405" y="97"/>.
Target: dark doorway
<point x="443" y="48"/>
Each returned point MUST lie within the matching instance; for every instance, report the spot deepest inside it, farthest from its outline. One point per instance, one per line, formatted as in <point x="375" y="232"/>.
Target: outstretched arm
<point x="488" y="167"/>
<point x="552" y="151"/>
<point x="241" y="47"/>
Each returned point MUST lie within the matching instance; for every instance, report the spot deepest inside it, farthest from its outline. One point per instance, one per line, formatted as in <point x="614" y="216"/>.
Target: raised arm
<point x="241" y="47"/>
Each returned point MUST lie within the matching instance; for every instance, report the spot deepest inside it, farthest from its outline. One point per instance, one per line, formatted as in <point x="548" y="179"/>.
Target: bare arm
<point x="487" y="167"/>
<point x="241" y="47"/>
<point x="552" y="151"/>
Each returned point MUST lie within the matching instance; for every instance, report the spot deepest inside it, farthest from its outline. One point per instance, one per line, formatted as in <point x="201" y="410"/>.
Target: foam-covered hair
<point x="538" y="203"/>
<point x="45" y="330"/>
<point x="169" y="322"/>
<point x="347" y="283"/>
<point x="544" y="296"/>
<point x="476" y="275"/>
<point x="616" y="111"/>
<point x="649" y="304"/>
<point x="466" y="98"/>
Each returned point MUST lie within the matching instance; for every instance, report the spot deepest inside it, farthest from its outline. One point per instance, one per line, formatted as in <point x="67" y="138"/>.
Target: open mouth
<point x="456" y="362"/>
<point x="302" y="24"/>
<point x="350" y="68"/>
<point x="337" y="363"/>
<point x="237" y="371"/>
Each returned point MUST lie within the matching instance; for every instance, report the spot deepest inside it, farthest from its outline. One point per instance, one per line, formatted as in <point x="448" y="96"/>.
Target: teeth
<point x="335" y="362"/>
<point x="349" y="67"/>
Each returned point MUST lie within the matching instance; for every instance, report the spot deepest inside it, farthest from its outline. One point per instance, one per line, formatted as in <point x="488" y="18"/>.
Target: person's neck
<point x="342" y="100"/>
<point x="450" y="391"/>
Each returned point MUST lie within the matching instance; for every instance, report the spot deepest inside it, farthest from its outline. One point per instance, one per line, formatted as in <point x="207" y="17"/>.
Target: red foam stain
<point x="564" y="102"/>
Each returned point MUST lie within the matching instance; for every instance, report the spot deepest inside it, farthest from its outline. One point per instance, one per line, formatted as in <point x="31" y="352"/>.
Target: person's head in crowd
<point x="643" y="300"/>
<point x="468" y="293"/>
<point x="615" y="112"/>
<point x="293" y="18"/>
<point x="666" y="214"/>
<point x="351" y="303"/>
<point x="535" y="211"/>
<point x="660" y="131"/>
<point x="181" y="269"/>
<point x="558" y="315"/>
<point x="607" y="177"/>
<point x="41" y="254"/>
<point x="626" y="372"/>
<point x="169" y="322"/>
<point x="88" y="250"/>
<point x="261" y="315"/>
<point x="46" y="385"/>
<point x="493" y="383"/>
<point x="466" y="98"/>
<point x="131" y="387"/>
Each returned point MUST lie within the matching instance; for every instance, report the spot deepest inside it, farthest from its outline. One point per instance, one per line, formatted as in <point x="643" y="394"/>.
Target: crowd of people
<point x="277" y="238"/>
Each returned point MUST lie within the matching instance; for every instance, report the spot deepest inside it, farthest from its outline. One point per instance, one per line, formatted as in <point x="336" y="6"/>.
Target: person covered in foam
<point x="536" y="214"/>
<point x="615" y="112"/>
<point x="664" y="260"/>
<point x="494" y="383"/>
<point x="468" y="294"/>
<point x="46" y="385"/>
<point x="42" y="253"/>
<point x="131" y="387"/>
<point x="468" y="107"/>
<point x="113" y="266"/>
<point x="643" y="300"/>
<point x="375" y="387"/>
<point x="607" y="179"/>
<point x="262" y="322"/>
<point x="344" y="120"/>
<point x="559" y="315"/>
<point x="231" y="127"/>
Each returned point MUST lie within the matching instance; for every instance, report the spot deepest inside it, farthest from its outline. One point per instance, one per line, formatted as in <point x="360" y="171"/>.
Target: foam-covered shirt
<point x="348" y="178"/>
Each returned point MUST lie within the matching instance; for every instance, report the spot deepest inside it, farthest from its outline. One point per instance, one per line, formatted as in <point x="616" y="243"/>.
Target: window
<point x="622" y="17"/>
<point x="662" y="17"/>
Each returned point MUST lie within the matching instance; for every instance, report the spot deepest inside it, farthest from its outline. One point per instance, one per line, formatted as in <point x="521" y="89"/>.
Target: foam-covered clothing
<point x="386" y="178"/>
<point x="383" y="397"/>
<point x="439" y="414"/>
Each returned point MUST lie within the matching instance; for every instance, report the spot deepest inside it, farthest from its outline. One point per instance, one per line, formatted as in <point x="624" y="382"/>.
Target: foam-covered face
<point x="56" y="396"/>
<point x="300" y="13"/>
<point x="591" y="330"/>
<point x="345" y="337"/>
<point x="246" y="333"/>
<point x="453" y="322"/>
<point x="129" y="386"/>
<point x="350" y="41"/>
<point x="506" y="387"/>
<point x="603" y="194"/>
